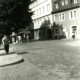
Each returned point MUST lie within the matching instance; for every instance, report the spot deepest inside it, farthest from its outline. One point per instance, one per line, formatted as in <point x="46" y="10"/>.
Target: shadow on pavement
<point x="22" y="60"/>
<point x="14" y="53"/>
<point x="22" y="52"/>
<point x="7" y="54"/>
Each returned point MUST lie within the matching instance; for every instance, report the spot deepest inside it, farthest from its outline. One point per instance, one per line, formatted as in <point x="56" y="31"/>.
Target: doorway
<point x="74" y="31"/>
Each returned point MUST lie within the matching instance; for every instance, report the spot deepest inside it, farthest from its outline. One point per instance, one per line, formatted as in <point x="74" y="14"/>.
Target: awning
<point x="24" y="32"/>
<point x="13" y="34"/>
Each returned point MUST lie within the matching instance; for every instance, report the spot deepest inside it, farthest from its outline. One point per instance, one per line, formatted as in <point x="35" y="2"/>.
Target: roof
<point x="33" y="1"/>
<point x="56" y="1"/>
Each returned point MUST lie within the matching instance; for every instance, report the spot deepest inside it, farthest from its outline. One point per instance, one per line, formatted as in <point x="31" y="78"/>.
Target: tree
<point x="14" y="14"/>
<point x="45" y="31"/>
<point x="57" y="31"/>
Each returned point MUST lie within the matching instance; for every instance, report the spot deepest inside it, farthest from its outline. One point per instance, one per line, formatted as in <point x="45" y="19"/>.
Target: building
<point x="63" y="12"/>
<point x="67" y="13"/>
<point x="42" y="11"/>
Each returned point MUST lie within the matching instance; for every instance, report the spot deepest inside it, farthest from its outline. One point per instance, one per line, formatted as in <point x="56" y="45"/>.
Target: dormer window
<point x="43" y="9"/>
<point x="62" y="3"/>
<point x="71" y="1"/>
<point x="48" y="7"/>
<point x="75" y="1"/>
<point x="66" y="2"/>
<point x="40" y="10"/>
<point x="57" y="5"/>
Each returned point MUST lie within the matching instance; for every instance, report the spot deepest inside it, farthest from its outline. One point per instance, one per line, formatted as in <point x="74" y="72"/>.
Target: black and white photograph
<point x="39" y="39"/>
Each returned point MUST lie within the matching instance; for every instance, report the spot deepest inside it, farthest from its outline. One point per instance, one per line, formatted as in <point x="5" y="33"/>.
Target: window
<point x="71" y="1"/>
<point x="56" y="31"/>
<point x="43" y="9"/>
<point x="35" y="23"/>
<point x="75" y="1"/>
<point x="34" y="13"/>
<point x="73" y="14"/>
<point x="40" y="10"/>
<point x="38" y="0"/>
<point x="62" y="3"/>
<point x="57" y="6"/>
<point x="55" y="18"/>
<point x="61" y="17"/>
<point x="38" y="22"/>
<point x="37" y="11"/>
<point x="66" y="2"/>
<point x="48" y="7"/>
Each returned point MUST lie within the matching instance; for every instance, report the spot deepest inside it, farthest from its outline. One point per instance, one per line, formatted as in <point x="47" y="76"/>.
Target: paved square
<point x="44" y="60"/>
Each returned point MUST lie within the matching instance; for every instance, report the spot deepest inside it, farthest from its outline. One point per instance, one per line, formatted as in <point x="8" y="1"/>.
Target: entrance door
<point x="36" y="34"/>
<point x="74" y="31"/>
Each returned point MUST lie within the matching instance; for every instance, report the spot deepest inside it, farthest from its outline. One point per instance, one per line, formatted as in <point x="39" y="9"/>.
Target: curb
<point x="9" y="59"/>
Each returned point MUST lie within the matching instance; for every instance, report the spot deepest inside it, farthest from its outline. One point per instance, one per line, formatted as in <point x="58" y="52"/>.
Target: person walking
<point x="19" y="39"/>
<point x="5" y="42"/>
<point x="27" y="38"/>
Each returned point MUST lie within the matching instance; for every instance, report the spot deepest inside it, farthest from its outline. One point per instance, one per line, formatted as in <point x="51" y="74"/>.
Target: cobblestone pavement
<point x="44" y="60"/>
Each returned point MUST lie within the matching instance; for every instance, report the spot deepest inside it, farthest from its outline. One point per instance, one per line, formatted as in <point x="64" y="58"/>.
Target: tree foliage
<point x="14" y="14"/>
<point x="57" y="31"/>
<point x="45" y="31"/>
<point x="45" y="24"/>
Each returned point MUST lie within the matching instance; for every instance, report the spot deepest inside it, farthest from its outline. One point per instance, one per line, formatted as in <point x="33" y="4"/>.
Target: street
<point x="45" y="60"/>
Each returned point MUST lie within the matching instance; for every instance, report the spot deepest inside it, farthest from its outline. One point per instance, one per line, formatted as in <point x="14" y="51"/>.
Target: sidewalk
<point x="74" y="43"/>
<point x="10" y="58"/>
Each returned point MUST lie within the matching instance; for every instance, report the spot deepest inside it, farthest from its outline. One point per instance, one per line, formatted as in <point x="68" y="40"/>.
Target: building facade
<point x="41" y="11"/>
<point x="67" y="13"/>
<point x="63" y="12"/>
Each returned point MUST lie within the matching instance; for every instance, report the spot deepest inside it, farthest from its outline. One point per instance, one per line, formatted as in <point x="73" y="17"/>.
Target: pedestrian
<point x="73" y="36"/>
<point x="17" y="39"/>
<point x="20" y="39"/>
<point x="5" y="42"/>
<point x="27" y="38"/>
